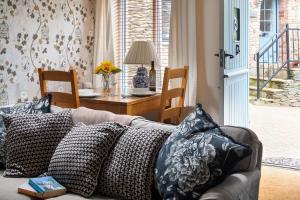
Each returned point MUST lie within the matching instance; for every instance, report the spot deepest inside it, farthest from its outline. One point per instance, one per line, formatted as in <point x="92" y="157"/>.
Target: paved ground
<point x="278" y="128"/>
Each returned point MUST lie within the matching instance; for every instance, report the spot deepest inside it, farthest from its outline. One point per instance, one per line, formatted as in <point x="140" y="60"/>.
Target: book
<point x="44" y="187"/>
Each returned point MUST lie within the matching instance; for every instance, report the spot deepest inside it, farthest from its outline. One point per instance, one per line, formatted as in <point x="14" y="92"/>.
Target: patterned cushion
<point x="198" y="120"/>
<point x="194" y="158"/>
<point x="32" y="140"/>
<point x="78" y="158"/>
<point x="41" y="106"/>
<point x="128" y="171"/>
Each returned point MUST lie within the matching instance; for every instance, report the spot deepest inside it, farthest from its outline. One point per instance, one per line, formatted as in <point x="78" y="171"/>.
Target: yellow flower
<point x="107" y="67"/>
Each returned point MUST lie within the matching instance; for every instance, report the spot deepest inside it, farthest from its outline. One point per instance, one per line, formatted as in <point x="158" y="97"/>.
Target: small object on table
<point x="143" y="94"/>
<point x="42" y="187"/>
<point x="107" y="69"/>
<point x="87" y="93"/>
<point x="152" y="77"/>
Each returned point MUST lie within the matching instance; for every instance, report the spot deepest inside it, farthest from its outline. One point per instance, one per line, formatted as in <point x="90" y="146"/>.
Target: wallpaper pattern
<point x="54" y="34"/>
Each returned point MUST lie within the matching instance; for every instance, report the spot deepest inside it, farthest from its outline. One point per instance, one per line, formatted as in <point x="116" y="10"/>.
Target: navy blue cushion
<point x="42" y="105"/>
<point x="196" y="157"/>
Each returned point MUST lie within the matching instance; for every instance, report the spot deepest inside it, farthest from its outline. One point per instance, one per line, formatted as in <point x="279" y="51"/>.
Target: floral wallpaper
<point x="54" y="34"/>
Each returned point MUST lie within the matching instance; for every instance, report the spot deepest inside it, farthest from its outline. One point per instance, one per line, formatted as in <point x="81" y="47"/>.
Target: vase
<point x="108" y="84"/>
<point x="141" y="80"/>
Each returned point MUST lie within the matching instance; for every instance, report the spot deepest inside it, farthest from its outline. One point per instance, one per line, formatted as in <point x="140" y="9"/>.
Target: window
<point x="266" y="16"/>
<point x="140" y="20"/>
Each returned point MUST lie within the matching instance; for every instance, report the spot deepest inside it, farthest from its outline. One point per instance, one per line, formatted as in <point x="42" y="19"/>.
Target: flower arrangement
<point x="107" y="70"/>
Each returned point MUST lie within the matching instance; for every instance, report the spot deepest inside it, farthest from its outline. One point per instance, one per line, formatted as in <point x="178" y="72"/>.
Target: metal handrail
<point x="270" y="45"/>
<point x="269" y="41"/>
<point x="284" y="54"/>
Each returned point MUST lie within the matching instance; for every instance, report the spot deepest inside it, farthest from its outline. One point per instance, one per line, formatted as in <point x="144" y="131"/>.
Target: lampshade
<point x="141" y="52"/>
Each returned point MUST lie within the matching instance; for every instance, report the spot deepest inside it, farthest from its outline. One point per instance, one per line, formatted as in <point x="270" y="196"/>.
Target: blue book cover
<point x="45" y="184"/>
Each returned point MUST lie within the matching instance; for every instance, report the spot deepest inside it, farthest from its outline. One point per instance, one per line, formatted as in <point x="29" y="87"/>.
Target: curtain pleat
<point x="103" y="49"/>
<point x="182" y="44"/>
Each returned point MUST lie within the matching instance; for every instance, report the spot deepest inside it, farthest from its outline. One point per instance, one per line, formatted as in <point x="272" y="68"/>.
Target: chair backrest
<point x="167" y="112"/>
<point x="65" y="100"/>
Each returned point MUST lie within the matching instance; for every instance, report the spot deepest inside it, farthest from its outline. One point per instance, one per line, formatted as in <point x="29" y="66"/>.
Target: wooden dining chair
<point x="61" y="99"/>
<point x="167" y="110"/>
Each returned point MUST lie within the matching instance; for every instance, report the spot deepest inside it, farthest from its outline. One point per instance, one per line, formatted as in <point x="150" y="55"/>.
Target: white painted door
<point x="235" y="73"/>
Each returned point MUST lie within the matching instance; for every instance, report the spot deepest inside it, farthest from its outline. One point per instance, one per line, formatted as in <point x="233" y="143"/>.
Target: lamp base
<point x="141" y="79"/>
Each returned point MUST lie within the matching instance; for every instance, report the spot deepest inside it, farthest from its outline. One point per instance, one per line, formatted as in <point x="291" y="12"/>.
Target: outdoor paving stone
<point x="278" y="128"/>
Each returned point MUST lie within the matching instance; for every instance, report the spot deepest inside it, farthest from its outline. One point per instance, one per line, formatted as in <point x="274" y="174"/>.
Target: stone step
<point x="268" y="93"/>
<point x="275" y="83"/>
<point x="261" y="101"/>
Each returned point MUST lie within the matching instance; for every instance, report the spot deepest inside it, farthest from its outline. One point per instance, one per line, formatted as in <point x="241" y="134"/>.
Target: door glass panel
<point x="267" y="26"/>
<point x="268" y="15"/>
<point x="268" y="4"/>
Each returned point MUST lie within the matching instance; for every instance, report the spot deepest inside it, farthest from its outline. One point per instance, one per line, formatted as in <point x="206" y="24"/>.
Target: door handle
<point x="229" y="55"/>
<point x="226" y="55"/>
<point x="222" y="55"/>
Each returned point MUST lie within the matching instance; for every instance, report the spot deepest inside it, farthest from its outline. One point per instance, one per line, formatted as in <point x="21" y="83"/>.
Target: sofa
<point x="242" y="184"/>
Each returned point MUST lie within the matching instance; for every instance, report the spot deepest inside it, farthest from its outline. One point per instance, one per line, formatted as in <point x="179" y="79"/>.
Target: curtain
<point x="103" y="35"/>
<point x="182" y="43"/>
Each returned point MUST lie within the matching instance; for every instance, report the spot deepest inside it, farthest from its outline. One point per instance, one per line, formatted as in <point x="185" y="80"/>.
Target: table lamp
<point x="141" y="53"/>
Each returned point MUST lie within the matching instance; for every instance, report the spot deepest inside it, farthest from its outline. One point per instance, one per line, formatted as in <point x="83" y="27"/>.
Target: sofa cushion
<point x="90" y="116"/>
<point x="141" y="122"/>
<point x="40" y="106"/>
<point x="198" y="120"/>
<point x="192" y="161"/>
<point x="79" y="156"/>
<point x="32" y="140"/>
<point x="128" y="171"/>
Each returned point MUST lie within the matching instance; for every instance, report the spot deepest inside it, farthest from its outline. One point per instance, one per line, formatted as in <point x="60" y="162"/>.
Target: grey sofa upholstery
<point x="242" y="184"/>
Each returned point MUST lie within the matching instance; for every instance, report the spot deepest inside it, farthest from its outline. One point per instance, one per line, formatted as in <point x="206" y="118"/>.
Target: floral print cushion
<point x="42" y="105"/>
<point x="197" y="156"/>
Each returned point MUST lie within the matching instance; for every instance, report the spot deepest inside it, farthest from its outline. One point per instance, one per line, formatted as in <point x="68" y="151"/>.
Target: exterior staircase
<point x="277" y="68"/>
<point x="284" y="92"/>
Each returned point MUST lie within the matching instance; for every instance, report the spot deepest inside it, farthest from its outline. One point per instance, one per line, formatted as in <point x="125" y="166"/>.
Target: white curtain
<point x="103" y="35"/>
<point x="182" y="43"/>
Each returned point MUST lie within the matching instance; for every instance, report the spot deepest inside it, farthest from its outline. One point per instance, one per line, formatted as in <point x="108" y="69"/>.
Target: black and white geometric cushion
<point x="79" y="156"/>
<point x="42" y="105"/>
<point x="31" y="141"/>
<point x="128" y="171"/>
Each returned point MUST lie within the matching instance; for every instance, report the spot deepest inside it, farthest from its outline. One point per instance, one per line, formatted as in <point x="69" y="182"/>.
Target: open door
<point x="234" y="62"/>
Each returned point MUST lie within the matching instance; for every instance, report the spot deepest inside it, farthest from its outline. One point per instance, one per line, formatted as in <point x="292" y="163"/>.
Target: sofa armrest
<point x="260" y="152"/>
<point x="243" y="186"/>
<point x="247" y="137"/>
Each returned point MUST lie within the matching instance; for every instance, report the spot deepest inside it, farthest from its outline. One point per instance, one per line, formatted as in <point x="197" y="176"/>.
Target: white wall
<point x="210" y="93"/>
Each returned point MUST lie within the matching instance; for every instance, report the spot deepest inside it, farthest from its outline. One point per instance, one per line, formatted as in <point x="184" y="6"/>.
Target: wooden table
<point x="120" y="105"/>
